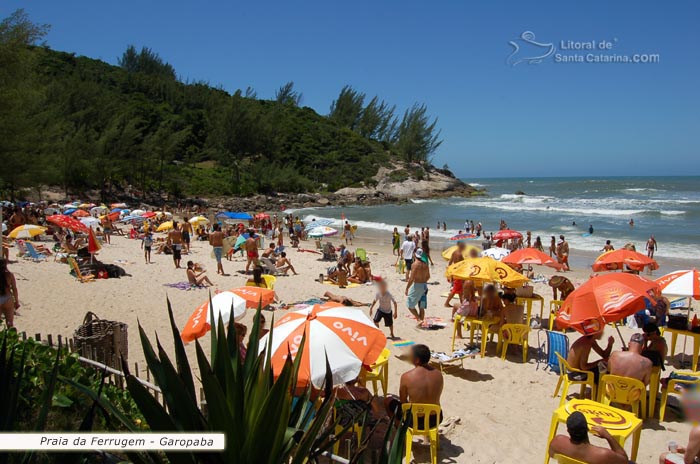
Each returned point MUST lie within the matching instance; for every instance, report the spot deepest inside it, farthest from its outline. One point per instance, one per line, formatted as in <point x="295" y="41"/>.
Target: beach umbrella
<point x="198" y="220"/>
<point x="80" y="213"/>
<point x="67" y="222"/>
<point x="167" y="214"/>
<point x="486" y="270"/>
<point x="531" y="256"/>
<point x="70" y="205"/>
<point x="322" y="231"/>
<point x="255" y="296"/>
<point x="681" y="283"/>
<point x="118" y="205"/>
<point x="133" y="218"/>
<point x="90" y="221"/>
<point x="69" y="211"/>
<point x="496" y="253"/>
<point x="345" y="336"/>
<point x="469" y="251"/>
<point x="86" y="205"/>
<point x="507" y="234"/>
<point x="116" y="210"/>
<point x="138" y="212"/>
<point x="165" y="226"/>
<point x="224" y="305"/>
<point x="604" y="299"/>
<point x="97" y="210"/>
<point x="93" y="245"/>
<point x="50" y="211"/>
<point x="26" y="231"/>
<point x="234" y="215"/>
<point x="262" y="216"/>
<point x="460" y="237"/>
<point x="318" y="223"/>
<point x="618" y="259"/>
<point x="148" y="214"/>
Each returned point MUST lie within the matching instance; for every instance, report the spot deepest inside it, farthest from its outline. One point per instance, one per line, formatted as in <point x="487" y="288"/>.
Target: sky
<point x="521" y="116"/>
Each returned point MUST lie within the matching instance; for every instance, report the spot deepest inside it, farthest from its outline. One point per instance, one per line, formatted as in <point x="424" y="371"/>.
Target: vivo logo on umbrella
<point x="617" y="301"/>
<point x="294" y="346"/>
<point x="354" y="335"/>
<point x="196" y="318"/>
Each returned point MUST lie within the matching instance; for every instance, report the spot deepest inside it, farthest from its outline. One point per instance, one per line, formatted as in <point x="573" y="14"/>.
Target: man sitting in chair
<point x="581" y="349"/>
<point x="577" y="446"/>
<point x="631" y="363"/>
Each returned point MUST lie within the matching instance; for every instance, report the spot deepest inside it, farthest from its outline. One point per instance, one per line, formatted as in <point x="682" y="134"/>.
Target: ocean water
<point x="668" y="207"/>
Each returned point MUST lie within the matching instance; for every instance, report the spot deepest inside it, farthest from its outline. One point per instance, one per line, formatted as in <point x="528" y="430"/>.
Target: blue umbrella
<point x="69" y="211"/>
<point x="116" y="210"/>
<point x="232" y="215"/>
<point x="132" y="218"/>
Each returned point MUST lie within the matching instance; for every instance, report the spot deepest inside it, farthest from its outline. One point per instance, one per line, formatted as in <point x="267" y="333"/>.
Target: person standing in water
<point x="652" y="246"/>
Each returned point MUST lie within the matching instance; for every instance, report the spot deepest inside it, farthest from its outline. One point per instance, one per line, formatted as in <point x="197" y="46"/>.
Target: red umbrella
<point x="80" y="213"/>
<point x="262" y="216"/>
<point x="148" y="214"/>
<point x="460" y="237"/>
<point x="531" y="256"/>
<point x="606" y="298"/>
<point x="507" y="234"/>
<point x="614" y="260"/>
<point x="67" y="222"/>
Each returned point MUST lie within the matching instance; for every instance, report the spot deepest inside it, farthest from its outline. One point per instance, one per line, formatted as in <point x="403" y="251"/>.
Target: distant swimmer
<point x="608" y="246"/>
<point x="652" y="246"/>
<point x="631" y="222"/>
<point x="573" y="223"/>
<point x="590" y="229"/>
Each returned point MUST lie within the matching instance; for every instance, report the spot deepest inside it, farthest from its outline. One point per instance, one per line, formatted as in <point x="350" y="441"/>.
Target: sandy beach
<point x="504" y="407"/>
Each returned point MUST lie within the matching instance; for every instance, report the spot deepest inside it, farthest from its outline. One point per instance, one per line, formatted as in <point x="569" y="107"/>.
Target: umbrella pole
<point x="624" y="346"/>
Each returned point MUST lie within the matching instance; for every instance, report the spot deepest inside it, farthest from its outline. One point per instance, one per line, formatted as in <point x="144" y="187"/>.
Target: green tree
<point x="417" y="137"/>
<point x="346" y="110"/>
<point x="287" y="95"/>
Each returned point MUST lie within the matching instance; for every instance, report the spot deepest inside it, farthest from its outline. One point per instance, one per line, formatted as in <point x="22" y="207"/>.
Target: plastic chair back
<point x="623" y="390"/>
<point x="557" y="343"/>
<point x="33" y="254"/>
<point x="362" y="254"/>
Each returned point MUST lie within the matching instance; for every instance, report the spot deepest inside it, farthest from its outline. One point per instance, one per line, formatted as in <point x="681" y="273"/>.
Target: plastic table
<point x="621" y="424"/>
<point x="696" y="343"/>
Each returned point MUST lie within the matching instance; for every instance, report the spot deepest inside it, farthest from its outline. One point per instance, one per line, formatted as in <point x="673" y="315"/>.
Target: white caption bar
<point x="192" y="442"/>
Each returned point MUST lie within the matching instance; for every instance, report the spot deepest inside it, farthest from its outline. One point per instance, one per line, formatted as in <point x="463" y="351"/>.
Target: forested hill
<point x="80" y="123"/>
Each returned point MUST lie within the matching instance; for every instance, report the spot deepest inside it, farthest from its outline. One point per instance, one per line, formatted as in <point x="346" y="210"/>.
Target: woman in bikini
<point x="9" y="298"/>
<point x="197" y="279"/>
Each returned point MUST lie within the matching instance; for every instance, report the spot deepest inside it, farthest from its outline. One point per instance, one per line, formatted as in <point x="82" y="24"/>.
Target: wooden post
<point x="49" y="337"/>
<point x="24" y="336"/>
<point x="60" y="341"/>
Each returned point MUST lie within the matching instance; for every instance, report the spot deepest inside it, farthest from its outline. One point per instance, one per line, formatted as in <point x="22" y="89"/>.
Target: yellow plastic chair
<point x="379" y="373"/>
<point x="269" y="282"/>
<point x="82" y="278"/>
<point x="671" y="389"/>
<point x="458" y="320"/>
<point x="514" y="334"/>
<point x="624" y="390"/>
<point x="423" y="412"/>
<point x="554" y="307"/>
<point x="564" y="370"/>
<point x="356" y="430"/>
<point x="561" y="459"/>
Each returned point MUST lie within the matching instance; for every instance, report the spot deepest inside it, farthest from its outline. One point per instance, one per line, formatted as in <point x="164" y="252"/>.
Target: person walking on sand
<point x="9" y="298"/>
<point x="107" y="228"/>
<point x="384" y="300"/>
<point x="146" y="245"/>
<point x="553" y="247"/>
<point x="216" y="240"/>
<point x="186" y="230"/>
<point x="563" y="253"/>
<point x="417" y="287"/>
<point x="455" y="257"/>
<point x="395" y="242"/>
<point x="538" y="244"/>
<point x="175" y="243"/>
<point x="251" y="248"/>
<point x="406" y="253"/>
<point x="347" y="230"/>
<point x="652" y="246"/>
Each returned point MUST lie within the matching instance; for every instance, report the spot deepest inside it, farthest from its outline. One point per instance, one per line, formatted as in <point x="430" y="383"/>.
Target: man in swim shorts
<point x="417" y="287"/>
<point x="186" y="230"/>
<point x="251" y="248"/>
<point x="175" y="241"/>
<point x="216" y="240"/>
<point x="406" y="252"/>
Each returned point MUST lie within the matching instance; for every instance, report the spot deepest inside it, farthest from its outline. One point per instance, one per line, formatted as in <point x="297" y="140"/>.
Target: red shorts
<point x="253" y="254"/>
<point x="457" y="285"/>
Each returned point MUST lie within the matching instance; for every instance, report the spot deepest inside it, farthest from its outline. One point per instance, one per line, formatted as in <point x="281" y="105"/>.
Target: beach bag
<point x="678" y="321"/>
<point x="102" y="341"/>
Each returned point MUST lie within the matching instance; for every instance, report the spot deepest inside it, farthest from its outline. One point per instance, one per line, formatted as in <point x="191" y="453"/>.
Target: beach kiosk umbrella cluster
<point x="345" y="336"/>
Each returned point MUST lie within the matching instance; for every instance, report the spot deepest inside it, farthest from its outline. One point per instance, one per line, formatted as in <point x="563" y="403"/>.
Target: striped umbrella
<point x="26" y="231"/>
<point x="224" y="305"/>
<point x="345" y="335"/>
<point x="681" y="283"/>
<point x="322" y="232"/>
<point x="318" y="223"/>
<point x="460" y="237"/>
<point x="496" y="253"/>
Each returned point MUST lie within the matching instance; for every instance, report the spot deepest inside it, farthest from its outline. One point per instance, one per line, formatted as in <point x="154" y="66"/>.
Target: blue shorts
<point x="418" y="296"/>
<point x="218" y="253"/>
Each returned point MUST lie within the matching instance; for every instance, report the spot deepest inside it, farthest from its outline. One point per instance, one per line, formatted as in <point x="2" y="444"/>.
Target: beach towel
<point x="349" y="285"/>
<point x="183" y="286"/>
<point x="402" y="343"/>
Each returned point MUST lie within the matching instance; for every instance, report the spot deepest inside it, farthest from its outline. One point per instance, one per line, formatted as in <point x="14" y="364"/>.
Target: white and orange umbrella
<point x="255" y="296"/>
<point x="224" y="304"/>
<point x="345" y="335"/>
<point x="681" y="283"/>
<point x="618" y="259"/>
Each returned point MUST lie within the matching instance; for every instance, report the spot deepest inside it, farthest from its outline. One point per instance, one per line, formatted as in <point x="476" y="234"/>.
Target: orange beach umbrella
<point x="606" y="298"/>
<point x="617" y="259"/>
<point x="531" y="256"/>
<point x="224" y="305"/>
<point x="346" y="336"/>
<point x="255" y="296"/>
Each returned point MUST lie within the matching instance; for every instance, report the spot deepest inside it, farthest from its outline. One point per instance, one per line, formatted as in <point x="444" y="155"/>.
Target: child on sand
<point x="384" y="300"/>
<point x="146" y="244"/>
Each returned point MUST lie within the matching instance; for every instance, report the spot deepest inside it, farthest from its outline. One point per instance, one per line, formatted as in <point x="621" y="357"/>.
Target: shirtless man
<point x="251" y="248"/>
<point x="456" y="257"/>
<point x="422" y="384"/>
<point x="577" y="445"/>
<point x="270" y="252"/>
<point x="216" y="240"/>
<point x="186" y="229"/>
<point x="347" y="230"/>
<point x="631" y="363"/>
<point x="652" y="246"/>
<point x="175" y="243"/>
<point x="563" y="253"/>
<point x="608" y="246"/>
<point x="283" y="264"/>
<point x="417" y="287"/>
<point x="581" y="349"/>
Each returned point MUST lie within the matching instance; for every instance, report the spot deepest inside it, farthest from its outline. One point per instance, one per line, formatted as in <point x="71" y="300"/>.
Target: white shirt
<point x="407" y="249"/>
